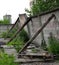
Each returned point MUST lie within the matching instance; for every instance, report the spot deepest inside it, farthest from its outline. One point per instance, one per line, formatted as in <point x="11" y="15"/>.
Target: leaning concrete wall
<point x="53" y="26"/>
<point x="34" y="25"/>
<point x="23" y="18"/>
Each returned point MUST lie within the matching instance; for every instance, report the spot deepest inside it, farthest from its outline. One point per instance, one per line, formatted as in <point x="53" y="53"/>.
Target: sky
<point x="13" y="7"/>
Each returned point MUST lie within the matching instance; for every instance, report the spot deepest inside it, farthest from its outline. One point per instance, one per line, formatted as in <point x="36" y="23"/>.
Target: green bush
<point x="34" y="50"/>
<point x="5" y="21"/>
<point x="3" y="35"/>
<point x="23" y="35"/>
<point x="17" y="43"/>
<point x="6" y="59"/>
<point x="6" y="35"/>
<point x="53" y="45"/>
<point x="19" y="40"/>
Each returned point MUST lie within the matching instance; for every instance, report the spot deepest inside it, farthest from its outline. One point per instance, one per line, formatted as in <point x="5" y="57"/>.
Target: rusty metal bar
<point x="36" y="34"/>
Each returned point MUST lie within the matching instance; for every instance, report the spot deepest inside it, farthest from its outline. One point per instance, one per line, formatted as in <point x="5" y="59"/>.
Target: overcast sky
<point x="13" y="7"/>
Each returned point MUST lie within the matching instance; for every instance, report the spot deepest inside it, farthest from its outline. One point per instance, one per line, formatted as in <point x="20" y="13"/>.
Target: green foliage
<point x="17" y="43"/>
<point x="8" y="34"/>
<point x="4" y="34"/>
<point x="1" y="21"/>
<point x="43" y="5"/>
<point x="6" y="59"/>
<point x="34" y="50"/>
<point x="53" y="45"/>
<point x="23" y="35"/>
<point x="5" y="21"/>
<point x="57" y="1"/>
<point x="19" y="40"/>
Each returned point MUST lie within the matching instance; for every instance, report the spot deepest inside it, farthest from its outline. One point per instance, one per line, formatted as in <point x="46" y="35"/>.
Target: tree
<point x="43" y="5"/>
<point x="5" y="21"/>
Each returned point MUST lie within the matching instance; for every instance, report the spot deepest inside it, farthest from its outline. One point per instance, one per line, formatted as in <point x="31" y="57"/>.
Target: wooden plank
<point x="36" y="56"/>
<point x="28" y="60"/>
<point x="23" y="60"/>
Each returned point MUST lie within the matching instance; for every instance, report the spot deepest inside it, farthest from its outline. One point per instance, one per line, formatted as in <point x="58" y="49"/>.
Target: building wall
<point x="23" y="18"/>
<point x="52" y="27"/>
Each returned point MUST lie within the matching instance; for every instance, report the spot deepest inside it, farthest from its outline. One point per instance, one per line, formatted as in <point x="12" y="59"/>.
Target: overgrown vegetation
<point x="34" y="50"/>
<point x="53" y="45"/>
<point x="19" y="40"/>
<point x="4" y="34"/>
<point x="42" y="6"/>
<point x="6" y="59"/>
<point x="5" y="21"/>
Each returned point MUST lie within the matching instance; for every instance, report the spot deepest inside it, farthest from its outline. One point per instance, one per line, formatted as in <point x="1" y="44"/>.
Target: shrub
<point x="23" y="35"/>
<point x="17" y="43"/>
<point x="4" y="35"/>
<point x="19" y="40"/>
<point x="6" y="59"/>
<point x="53" y="45"/>
<point x="5" y="21"/>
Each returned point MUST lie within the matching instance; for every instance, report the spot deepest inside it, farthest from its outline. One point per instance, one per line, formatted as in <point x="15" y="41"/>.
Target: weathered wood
<point x="41" y="56"/>
<point x="30" y="60"/>
<point x="36" y="34"/>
